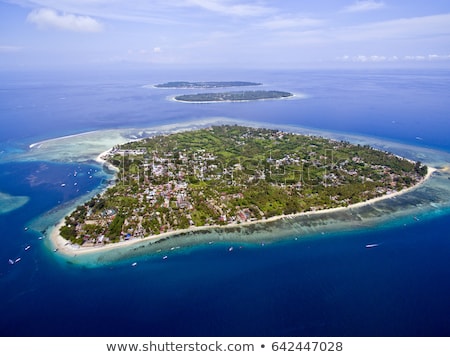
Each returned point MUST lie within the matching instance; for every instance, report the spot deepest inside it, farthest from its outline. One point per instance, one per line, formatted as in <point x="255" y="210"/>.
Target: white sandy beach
<point x="65" y="248"/>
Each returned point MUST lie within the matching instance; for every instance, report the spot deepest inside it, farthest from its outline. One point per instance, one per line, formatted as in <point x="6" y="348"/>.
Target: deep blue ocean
<point x="327" y="285"/>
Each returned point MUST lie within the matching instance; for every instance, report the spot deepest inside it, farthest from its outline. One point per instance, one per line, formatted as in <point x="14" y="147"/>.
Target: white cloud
<point x="380" y="58"/>
<point x="48" y="18"/>
<point x="162" y="12"/>
<point x="406" y="32"/>
<point x="225" y="7"/>
<point x="10" y="49"/>
<point x="364" y="5"/>
<point x="364" y="58"/>
<point x="144" y="52"/>
<point x="280" y="22"/>
<point x="409" y="28"/>
<point x="430" y="57"/>
<point x="193" y="31"/>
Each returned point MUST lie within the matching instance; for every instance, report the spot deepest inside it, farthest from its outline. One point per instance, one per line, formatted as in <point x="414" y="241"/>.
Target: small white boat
<point x="28" y="247"/>
<point x="372" y="245"/>
<point x="134" y="264"/>
<point x="17" y="260"/>
<point x="63" y="184"/>
<point x="10" y="261"/>
<point x="230" y="249"/>
<point x="165" y="257"/>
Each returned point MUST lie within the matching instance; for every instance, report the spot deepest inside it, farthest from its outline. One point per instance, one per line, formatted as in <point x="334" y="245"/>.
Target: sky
<point x="223" y="33"/>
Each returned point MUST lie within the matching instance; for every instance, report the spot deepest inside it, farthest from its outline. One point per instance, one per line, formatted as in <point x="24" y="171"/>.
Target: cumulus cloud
<point x="48" y="18"/>
<point x="364" y="5"/>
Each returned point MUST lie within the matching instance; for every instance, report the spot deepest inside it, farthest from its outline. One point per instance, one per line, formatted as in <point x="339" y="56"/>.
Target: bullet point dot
<point x="262" y="346"/>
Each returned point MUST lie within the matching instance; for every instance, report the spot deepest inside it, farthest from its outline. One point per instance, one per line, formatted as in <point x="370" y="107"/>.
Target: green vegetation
<point x="226" y="175"/>
<point x="233" y="96"/>
<point x="188" y="85"/>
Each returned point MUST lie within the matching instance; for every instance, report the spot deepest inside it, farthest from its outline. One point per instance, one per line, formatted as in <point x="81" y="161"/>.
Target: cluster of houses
<point x="160" y="192"/>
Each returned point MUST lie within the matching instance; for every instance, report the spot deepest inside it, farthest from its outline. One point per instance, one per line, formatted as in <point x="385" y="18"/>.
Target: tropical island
<point x="237" y="96"/>
<point x="206" y="85"/>
<point x="230" y="175"/>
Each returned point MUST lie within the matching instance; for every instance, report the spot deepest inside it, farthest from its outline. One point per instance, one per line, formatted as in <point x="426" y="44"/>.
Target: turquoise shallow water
<point x="306" y="279"/>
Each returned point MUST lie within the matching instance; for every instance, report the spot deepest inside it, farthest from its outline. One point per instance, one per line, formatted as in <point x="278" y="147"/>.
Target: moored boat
<point x="372" y="245"/>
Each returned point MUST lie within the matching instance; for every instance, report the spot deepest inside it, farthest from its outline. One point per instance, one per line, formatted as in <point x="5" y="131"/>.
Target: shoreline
<point x="293" y="96"/>
<point x="99" y="159"/>
<point x="67" y="249"/>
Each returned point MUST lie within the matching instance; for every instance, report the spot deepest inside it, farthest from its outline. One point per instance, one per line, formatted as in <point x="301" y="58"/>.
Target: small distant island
<point x="237" y="96"/>
<point x="229" y="175"/>
<point x="206" y="85"/>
